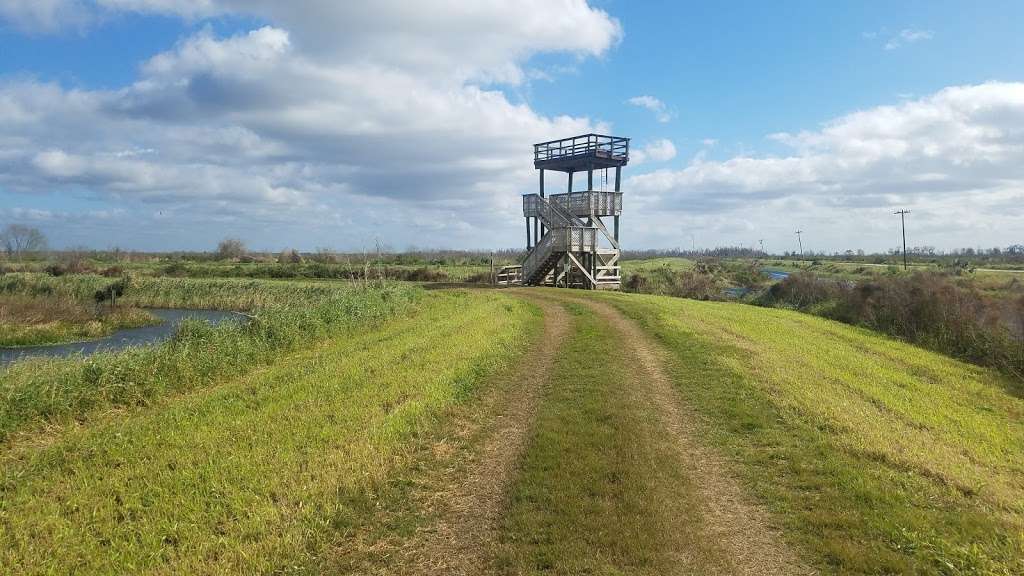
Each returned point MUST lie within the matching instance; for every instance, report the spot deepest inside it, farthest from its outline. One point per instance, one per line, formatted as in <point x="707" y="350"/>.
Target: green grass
<point x="649" y="264"/>
<point x="600" y="491"/>
<point x="287" y="316"/>
<point x="267" y="473"/>
<point x="879" y="457"/>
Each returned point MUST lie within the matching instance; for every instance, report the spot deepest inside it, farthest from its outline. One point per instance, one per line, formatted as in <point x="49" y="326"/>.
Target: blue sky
<point x="168" y="124"/>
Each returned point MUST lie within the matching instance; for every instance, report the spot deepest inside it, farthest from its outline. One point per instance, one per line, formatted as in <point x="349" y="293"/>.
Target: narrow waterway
<point x="171" y="318"/>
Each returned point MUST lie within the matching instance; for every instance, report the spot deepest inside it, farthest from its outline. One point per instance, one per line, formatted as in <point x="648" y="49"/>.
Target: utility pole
<point x="801" y="241"/>
<point x="761" y="241"/>
<point x="903" y="225"/>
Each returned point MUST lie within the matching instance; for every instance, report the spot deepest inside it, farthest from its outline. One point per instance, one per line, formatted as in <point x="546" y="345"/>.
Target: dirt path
<point x="731" y="519"/>
<point x="462" y="540"/>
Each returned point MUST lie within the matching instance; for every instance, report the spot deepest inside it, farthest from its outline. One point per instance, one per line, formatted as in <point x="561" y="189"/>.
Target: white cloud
<point x="661" y="112"/>
<point x="956" y="156"/>
<point x="661" y="150"/>
<point x="894" y="40"/>
<point x="332" y="121"/>
<point x="44" y="16"/>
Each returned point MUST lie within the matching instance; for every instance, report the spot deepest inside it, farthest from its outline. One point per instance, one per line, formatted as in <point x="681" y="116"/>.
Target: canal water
<point x="171" y="318"/>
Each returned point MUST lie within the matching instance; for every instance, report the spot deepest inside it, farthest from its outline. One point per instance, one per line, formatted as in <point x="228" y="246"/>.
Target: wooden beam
<point x="581" y="268"/>
<point x="613" y="239"/>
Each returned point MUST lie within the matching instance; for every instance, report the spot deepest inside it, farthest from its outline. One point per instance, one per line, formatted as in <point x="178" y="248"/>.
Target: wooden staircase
<point x="569" y="242"/>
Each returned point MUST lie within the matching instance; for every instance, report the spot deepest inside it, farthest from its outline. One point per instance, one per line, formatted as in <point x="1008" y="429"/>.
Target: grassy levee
<point x="267" y="473"/>
<point x="286" y="316"/>
<point x="600" y="490"/>
<point x="878" y="457"/>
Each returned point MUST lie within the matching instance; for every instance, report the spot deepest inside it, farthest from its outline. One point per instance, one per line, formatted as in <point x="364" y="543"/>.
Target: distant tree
<point x="289" y="256"/>
<point x="231" y="249"/>
<point x="19" y="240"/>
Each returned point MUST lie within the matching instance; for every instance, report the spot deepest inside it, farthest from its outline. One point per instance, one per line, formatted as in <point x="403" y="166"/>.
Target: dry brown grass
<point x="27" y="320"/>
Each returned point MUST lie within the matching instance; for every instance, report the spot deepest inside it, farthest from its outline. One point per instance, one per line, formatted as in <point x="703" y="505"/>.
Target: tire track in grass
<point x="462" y="539"/>
<point x="600" y="489"/>
<point x="730" y="518"/>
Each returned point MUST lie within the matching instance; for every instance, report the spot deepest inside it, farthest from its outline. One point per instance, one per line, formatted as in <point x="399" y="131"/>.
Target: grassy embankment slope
<point x="878" y="457"/>
<point x="871" y="455"/>
<point x="262" y="473"/>
<point x="285" y="317"/>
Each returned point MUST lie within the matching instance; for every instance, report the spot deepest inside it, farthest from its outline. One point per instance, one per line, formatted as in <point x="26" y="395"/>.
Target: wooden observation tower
<point x="568" y="244"/>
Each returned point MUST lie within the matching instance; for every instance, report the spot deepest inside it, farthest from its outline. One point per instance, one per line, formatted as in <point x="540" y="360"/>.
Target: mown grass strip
<point x="601" y="491"/>
<point x="259" y="475"/>
<point x="878" y="456"/>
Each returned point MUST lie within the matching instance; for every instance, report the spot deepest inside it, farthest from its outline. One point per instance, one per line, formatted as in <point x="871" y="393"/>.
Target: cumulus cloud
<point x="960" y="147"/>
<point x="660" y="110"/>
<point x="661" y="150"/>
<point x="356" y="119"/>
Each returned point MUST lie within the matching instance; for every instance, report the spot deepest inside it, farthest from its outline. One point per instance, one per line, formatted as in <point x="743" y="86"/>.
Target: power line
<point x="903" y="225"/>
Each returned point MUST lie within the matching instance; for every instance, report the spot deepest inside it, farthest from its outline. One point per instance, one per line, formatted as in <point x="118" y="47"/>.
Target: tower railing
<point x="552" y="214"/>
<point x="587" y="202"/>
<point x="597" y="145"/>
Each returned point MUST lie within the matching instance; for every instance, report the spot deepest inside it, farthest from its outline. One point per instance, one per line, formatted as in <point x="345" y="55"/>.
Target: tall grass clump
<point x="926" y="308"/>
<point x="284" y="317"/>
<point x="38" y="309"/>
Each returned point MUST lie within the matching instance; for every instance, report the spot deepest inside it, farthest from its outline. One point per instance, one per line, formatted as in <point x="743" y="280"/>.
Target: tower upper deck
<point x="580" y="153"/>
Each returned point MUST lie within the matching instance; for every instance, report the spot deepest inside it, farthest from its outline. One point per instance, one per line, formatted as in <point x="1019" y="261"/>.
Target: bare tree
<point x="19" y="240"/>
<point x="231" y="249"/>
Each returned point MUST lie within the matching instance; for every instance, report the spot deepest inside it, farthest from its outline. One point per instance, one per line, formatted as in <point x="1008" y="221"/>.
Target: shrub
<point x="421" y="274"/>
<point x="175" y="269"/>
<point x="231" y="249"/>
<point x="801" y="290"/>
<point x="112" y="272"/>
<point x="698" y="284"/>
